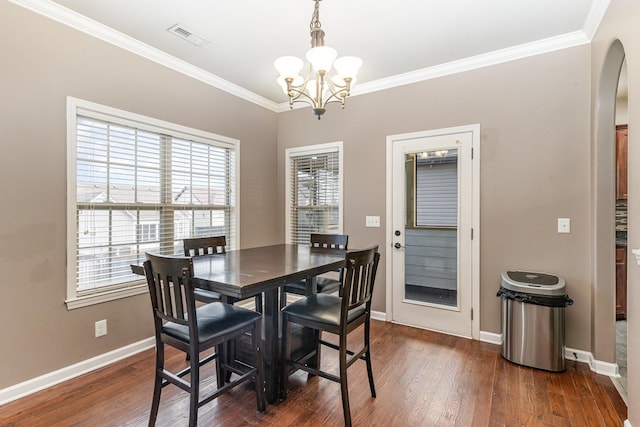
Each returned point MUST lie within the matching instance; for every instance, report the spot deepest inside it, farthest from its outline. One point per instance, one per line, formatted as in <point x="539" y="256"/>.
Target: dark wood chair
<point x="199" y="246"/>
<point x="179" y="324"/>
<point x="325" y="284"/>
<point x="337" y="315"/>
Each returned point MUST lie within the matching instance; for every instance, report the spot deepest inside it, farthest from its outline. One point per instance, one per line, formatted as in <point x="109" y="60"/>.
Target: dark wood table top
<point x="247" y="272"/>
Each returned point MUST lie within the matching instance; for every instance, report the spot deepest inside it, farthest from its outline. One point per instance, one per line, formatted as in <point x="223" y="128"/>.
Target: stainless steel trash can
<point x="533" y="306"/>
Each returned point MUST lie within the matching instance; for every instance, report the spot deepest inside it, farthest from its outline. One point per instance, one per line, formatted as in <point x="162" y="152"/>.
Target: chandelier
<point x="319" y="87"/>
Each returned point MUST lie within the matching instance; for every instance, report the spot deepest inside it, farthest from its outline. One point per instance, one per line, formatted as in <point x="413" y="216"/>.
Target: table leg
<point x="271" y="321"/>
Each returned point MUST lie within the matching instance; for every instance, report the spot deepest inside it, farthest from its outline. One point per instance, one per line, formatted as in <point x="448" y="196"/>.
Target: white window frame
<point x="310" y="150"/>
<point x="74" y="108"/>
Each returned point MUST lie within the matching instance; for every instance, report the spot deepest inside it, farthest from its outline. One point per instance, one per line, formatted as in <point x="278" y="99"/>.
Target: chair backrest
<point x="359" y="278"/>
<point x="170" y="288"/>
<point x="329" y="241"/>
<point x="204" y="245"/>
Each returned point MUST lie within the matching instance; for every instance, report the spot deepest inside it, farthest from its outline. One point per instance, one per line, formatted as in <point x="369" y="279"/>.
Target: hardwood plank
<point x="422" y="378"/>
<point x="569" y="393"/>
<point x="590" y="406"/>
<point x="543" y="404"/>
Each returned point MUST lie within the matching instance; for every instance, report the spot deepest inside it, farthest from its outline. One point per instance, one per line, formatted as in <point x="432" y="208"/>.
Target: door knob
<point x="397" y="245"/>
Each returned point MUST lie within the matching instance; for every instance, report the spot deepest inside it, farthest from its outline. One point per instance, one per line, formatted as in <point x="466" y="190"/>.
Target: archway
<point x="603" y="295"/>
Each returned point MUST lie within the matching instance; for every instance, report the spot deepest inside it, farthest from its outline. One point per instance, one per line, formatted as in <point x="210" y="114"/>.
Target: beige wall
<point x="39" y="70"/>
<point x="534" y="166"/>
<point x="620" y="25"/>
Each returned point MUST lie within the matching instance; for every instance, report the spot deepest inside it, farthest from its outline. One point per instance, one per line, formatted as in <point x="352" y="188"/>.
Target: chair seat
<point x="320" y="308"/>
<point x="215" y="320"/>
<point x="203" y="295"/>
<point x="325" y="285"/>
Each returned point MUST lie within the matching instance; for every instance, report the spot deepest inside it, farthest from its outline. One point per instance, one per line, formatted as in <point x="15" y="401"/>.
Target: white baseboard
<point x="42" y="382"/>
<point x="491" y="338"/>
<point x="578" y="355"/>
<point x="597" y="366"/>
<point x="379" y="315"/>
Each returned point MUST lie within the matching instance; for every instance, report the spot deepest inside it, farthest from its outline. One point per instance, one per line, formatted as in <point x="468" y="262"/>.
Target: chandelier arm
<point x="338" y="96"/>
<point x="301" y="97"/>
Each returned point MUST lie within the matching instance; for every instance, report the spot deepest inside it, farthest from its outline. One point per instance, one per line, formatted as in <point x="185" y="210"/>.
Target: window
<point x="147" y="232"/>
<point x="136" y="185"/>
<point x="437" y="189"/>
<point x="314" y="191"/>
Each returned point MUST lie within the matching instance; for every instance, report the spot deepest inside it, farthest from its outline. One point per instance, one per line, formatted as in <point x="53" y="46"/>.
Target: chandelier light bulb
<point x="321" y="58"/>
<point x="347" y="66"/>
<point x="288" y="66"/>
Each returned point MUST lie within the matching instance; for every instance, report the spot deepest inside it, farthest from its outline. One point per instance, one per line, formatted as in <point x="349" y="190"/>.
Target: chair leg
<point x="195" y="390"/>
<point x="220" y="373"/>
<point x="318" y="355"/>
<point x="157" y="384"/>
<point x="367" y="343"/>
<point x="344" y="389"/>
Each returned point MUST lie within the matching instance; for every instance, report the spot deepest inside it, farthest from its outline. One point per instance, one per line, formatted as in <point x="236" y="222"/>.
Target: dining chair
<point x="325" y="284"/>
<point x="199" y="246"/>
<point x="179" y="324"/>
<point x="339" y="315"/>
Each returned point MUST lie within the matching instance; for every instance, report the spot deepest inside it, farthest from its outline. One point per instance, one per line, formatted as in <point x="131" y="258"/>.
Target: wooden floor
<point x="422" y="379"/>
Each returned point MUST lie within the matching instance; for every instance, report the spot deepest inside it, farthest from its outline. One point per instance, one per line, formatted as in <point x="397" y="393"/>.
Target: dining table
<point x="245" y="273"/>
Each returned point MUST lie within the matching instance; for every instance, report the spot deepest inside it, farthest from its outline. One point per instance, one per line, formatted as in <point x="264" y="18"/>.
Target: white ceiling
<point x="392" y="37"/>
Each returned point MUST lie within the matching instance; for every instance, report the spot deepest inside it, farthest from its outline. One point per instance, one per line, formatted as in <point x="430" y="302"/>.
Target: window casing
<point x="136" y="185"/>
<point x="314" y="191"/>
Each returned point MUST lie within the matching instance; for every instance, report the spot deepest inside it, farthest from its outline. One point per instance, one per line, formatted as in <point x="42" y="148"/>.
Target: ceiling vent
<point x="187" y="35"/>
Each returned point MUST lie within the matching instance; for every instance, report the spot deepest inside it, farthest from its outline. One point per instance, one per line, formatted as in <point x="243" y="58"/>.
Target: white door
<point x="434" y="216"/>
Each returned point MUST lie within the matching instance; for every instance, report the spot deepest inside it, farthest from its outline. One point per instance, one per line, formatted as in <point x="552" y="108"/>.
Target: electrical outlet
<point x="564" y="225"/>
<point x="101" y="328"/>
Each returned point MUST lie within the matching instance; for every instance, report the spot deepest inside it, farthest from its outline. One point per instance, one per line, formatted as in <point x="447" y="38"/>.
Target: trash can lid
<point x="533" y="283"/>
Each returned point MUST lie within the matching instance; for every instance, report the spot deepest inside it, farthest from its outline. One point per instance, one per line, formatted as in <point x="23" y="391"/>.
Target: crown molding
<point x="595" y="17"/>
<point x="93" y="28"/>
<point x="72" y="19"/>
<point x="479" y="61"/>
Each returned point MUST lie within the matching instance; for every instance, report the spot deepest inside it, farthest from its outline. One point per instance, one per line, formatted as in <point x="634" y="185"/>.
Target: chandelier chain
<point x="315" y="18"/>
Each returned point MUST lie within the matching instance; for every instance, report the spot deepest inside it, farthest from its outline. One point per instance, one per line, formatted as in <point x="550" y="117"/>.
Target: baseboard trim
<point x="578" y="356"/>
<point x="50" y="379"/>
<point x="491" y="338"/>
<point x="379" y="315"/>
<point x="597" y="366"/>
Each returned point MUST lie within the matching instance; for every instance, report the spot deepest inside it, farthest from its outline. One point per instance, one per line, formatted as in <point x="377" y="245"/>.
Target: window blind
<point x="437" y="190"/>
<point x="314" y="194"/>
<point x="144" y="190"/>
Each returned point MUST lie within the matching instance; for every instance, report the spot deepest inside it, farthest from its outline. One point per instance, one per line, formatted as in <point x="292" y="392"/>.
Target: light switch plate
<point x="564" y="225"/>
<point x="373" y="221"/>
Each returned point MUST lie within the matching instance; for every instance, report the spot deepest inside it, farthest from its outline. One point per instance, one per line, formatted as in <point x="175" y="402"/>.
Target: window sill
<point x="98" y="298"/>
